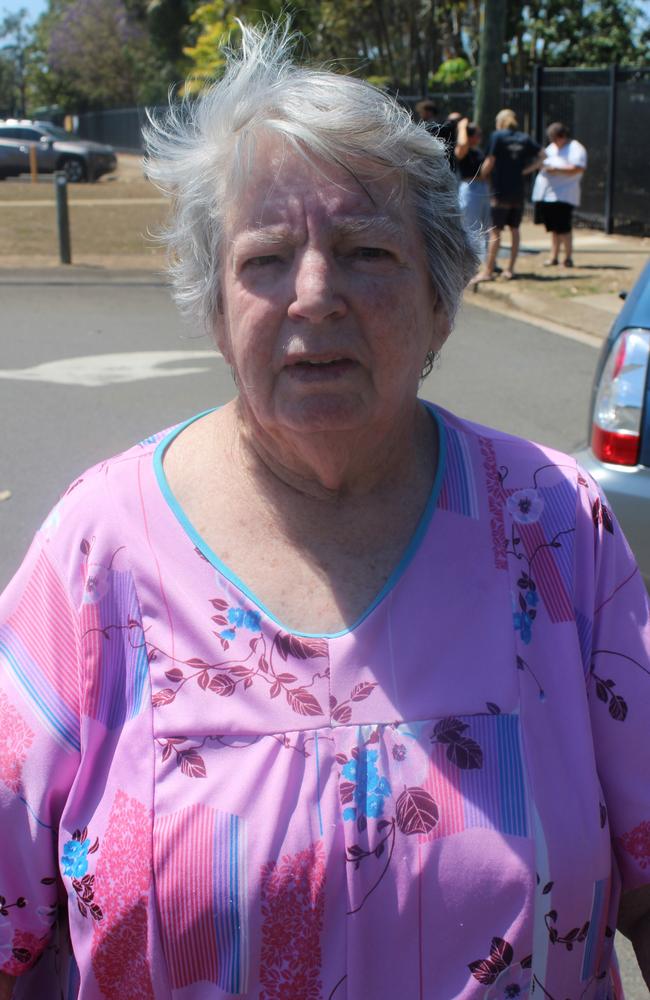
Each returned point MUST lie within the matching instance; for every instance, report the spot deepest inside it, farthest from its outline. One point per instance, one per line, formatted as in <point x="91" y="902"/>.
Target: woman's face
<point x="327" y="310"/>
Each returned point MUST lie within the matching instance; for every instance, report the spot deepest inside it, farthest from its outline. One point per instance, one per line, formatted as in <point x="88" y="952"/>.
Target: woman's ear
<point x="219" y="327"/>
<point x="441" y="326"/>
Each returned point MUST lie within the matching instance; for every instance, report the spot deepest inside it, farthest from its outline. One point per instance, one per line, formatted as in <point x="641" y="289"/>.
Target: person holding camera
<point x="473" y="193"/>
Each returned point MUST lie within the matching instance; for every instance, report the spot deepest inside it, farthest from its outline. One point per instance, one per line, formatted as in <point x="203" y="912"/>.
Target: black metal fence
<point x="607" y="110"/>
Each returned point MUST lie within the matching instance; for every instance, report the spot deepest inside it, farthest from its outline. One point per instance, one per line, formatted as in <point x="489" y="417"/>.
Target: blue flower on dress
<point x="526" y="506"/>
<point x="522" y="625"/>
<point x="252" y="621"/>
<point x="228" y="633"/>
<point x="532" y="598"/>
<point x="370" y="789"/>
<point x="75" y="858"/>
<point x="240" y="617"/>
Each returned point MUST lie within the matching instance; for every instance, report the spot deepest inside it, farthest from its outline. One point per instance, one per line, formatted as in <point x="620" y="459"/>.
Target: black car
<point x="56" y="149"/>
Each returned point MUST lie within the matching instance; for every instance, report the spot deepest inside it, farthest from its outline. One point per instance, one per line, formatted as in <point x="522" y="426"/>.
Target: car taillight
<point x="618" y="410"/>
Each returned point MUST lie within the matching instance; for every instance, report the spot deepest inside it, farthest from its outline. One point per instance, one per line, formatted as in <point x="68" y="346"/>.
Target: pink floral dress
<point x="442" y="801"/>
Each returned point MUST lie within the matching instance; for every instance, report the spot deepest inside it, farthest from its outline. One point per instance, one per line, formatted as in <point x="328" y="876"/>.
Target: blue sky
<point x="33" y="7"/>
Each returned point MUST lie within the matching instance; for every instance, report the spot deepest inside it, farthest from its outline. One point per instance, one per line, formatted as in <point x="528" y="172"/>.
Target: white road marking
<point x="95" y="370"/>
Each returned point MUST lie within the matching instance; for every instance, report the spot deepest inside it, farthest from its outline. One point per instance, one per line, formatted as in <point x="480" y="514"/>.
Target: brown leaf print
<point x="416" y="811"/>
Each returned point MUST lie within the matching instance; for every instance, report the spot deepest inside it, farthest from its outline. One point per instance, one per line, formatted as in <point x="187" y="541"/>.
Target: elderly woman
<point x="326" y="693"/>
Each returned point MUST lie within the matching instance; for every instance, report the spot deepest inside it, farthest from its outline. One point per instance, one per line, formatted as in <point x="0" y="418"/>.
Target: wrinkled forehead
<point x="272" y="177"/>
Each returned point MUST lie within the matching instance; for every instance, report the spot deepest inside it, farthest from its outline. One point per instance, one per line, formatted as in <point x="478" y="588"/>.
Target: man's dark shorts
<point x="506" y="215"/>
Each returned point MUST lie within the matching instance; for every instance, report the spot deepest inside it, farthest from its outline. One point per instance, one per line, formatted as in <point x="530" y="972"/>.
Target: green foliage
<point x="15" y="54"/>
<point x="453" y="71"/>
<point x="132" y="51"/>
<point x="586" y="33"/>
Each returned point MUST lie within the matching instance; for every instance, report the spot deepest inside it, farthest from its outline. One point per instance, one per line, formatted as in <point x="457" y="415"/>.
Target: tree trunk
<point x="490" y="68"/>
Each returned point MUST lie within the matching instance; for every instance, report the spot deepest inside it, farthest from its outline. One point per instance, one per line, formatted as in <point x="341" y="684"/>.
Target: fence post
<point x="611" y="152"/>
<point x="33" y="164"/>
<point x="538" y="123"/>
<point x="62" y="218"/>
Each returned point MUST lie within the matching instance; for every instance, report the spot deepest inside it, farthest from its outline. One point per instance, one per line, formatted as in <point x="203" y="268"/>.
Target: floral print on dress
<point x="525" y="506"/>
<point x="15" y="740"/>
<point x="369" y="788"/>
<point x="263" y="664"/>
<point x="74" y="864"/>
<point x="293" y="904"/>
<point x="438" y="649"/>
<point x="637" y="843"/>
<point x="507" y="980"/>
<point x="122" y="880"/>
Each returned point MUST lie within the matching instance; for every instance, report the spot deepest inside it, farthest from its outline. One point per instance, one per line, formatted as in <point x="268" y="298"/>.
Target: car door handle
<point x="24" y="149"/>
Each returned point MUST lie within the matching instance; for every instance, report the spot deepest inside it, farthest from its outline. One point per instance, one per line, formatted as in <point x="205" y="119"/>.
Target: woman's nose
<point x="316" y="292"/>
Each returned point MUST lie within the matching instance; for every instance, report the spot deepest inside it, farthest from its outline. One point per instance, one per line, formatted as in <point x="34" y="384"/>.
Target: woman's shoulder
<point x="514" y="457"/>
<point x="100" y="506"/>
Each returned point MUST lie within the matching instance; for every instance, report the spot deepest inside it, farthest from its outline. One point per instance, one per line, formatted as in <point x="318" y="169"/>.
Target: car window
<point x="28" y="133"/>
<point x="9" y="133"/>
<point x="57" y="133"/>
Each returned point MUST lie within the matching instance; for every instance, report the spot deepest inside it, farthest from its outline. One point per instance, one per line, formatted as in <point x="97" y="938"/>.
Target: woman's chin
<point x="323" y="413"/>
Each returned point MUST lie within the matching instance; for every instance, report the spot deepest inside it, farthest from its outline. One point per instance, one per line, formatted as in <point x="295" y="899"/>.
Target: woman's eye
<point x="263" y="260"/>
<point x="370" y="253"/>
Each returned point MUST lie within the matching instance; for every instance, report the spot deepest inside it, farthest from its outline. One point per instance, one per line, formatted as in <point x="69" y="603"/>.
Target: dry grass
<point x="114" y="217"/>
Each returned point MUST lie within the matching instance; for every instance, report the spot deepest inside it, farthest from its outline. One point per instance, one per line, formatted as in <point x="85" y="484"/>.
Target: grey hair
<point x="200" y="152"/>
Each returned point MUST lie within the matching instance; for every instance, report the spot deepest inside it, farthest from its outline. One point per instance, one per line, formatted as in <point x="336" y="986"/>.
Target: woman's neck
<point x="335" y="466"/>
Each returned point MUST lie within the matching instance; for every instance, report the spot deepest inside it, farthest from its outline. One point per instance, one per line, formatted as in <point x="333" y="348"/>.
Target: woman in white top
<point x="557" y="189"/>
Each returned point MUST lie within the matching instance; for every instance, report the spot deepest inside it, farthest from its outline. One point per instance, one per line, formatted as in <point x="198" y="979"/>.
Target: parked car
<point x="56" y="149"/>
<point x="618" y="454"/>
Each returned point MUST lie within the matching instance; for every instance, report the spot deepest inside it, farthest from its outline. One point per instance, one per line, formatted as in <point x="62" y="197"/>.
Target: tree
<point x="490" y="68"/>
<point x="586" y="33"/>
<point x="102" y="55"/>
<point x="16" y="37"/>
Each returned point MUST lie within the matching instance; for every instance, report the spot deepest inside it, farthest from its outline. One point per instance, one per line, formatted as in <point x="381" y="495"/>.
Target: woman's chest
<point x="367" y="814"/>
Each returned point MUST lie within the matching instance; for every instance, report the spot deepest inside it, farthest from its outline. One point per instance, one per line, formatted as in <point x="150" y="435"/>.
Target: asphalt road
<point x="67" y="401"/>
<point x="88" y="368"/>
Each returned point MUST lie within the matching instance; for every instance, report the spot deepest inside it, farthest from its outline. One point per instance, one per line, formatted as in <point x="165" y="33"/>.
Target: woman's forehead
<point x="283" y="186"/>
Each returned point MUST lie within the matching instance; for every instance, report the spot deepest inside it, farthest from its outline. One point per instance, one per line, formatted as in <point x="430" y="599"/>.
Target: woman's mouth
<point x="316" y="369"/>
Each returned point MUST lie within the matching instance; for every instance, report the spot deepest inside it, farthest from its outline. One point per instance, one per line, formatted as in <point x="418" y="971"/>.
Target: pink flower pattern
<point x="15" y="740"/>
<point x="637" y="843"/>
<point x="293" y="900"/>
<point x="122" y="879"/>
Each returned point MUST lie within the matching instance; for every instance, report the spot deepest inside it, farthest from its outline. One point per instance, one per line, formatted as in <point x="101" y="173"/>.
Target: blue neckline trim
<point x="213" y="558"/>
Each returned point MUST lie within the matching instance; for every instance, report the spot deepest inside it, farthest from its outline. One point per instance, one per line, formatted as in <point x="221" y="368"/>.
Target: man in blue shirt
<point x="511" y="155"/>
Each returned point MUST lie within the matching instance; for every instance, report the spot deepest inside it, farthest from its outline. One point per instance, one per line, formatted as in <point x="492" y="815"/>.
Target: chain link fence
<point x="607" y="110"/>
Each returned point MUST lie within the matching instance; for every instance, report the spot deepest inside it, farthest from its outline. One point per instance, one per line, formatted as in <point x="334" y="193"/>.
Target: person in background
<point x="557" y="190"/>
<point x="446" y="131"/>
<point x="473" y="193"/>
<point x="511" y="155"/>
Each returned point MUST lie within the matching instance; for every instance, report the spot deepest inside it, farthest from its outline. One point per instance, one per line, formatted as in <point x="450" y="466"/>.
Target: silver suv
<point x="56" y="149"/>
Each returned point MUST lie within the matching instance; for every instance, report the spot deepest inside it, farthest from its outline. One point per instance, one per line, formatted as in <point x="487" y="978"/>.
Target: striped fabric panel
<point x="513" y="799"/>
<point x="559" y="514"/>
<point x="46" y="625"/>
<point x="492" y="796"/>
<point x="545" y="571"/>
<point x="60" y="720"/>
<point x="200" y="871"/>
<point x="458" y="492"/>
<point x="230" y="902"/>
<point x="584" y="626"/>
<point x="114" y="654"/>
<point x="596" y="933"/>
<point x="443" y="786"/>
